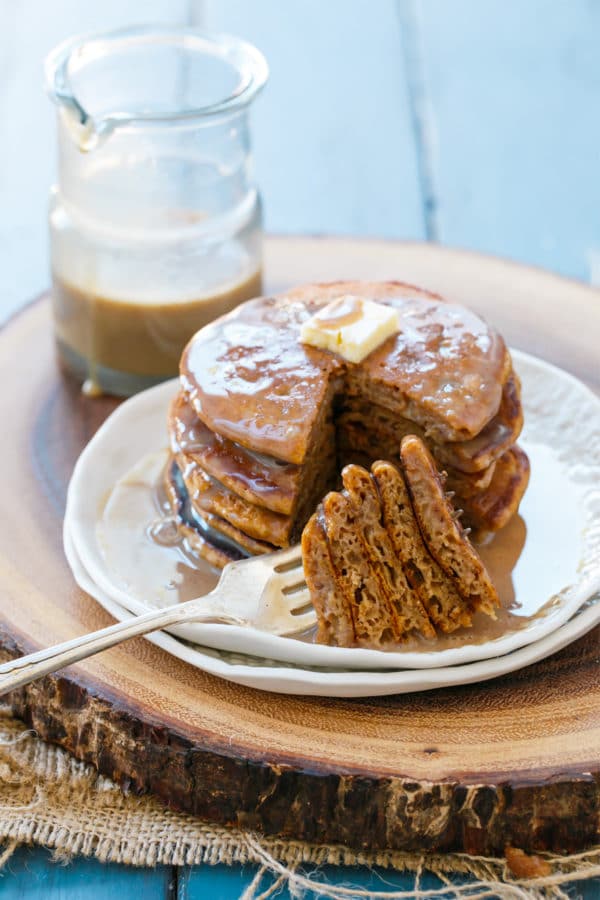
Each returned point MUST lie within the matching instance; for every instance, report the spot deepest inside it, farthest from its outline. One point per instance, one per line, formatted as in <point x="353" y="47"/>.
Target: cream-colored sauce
<point x="531" y="560"/>
<point x="141" y="544"/>
<point x="141" y="336"/>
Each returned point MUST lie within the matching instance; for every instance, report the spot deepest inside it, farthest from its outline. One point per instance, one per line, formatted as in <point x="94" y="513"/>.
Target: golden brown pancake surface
<point x="376" y="576"/>
<point x="441" y="532"/>
<point x="250" y="379"/>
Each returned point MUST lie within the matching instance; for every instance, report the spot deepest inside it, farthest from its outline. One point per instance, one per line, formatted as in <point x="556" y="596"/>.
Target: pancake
<point x="264" y="424"/>
<point x="253" y="476"/>
<point x="250" y="379"/>
<point x="207" y="495"/>
<point x="334" y="616"/>
<point x="374" y="578"/>
<point x="439" y="595"/>
<point x="407" y="606"/>
<point x="354" y="437"/>
<point x="373" y="611"/>
<point x="371" y="427"/>
<point x="214" y="539"/>
<point x="441" y="531"/>
<point x="491" y="510"/>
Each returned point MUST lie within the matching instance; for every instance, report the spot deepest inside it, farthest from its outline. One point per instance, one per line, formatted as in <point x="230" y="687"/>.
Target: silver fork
<point x="266" y="592"/>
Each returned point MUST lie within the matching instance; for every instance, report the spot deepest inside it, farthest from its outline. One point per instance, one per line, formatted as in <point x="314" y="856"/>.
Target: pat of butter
<point x="351" y="327"/>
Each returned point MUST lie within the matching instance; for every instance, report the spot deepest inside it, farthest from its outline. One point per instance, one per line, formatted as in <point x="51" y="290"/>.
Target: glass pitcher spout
<point x="109" y="81"/>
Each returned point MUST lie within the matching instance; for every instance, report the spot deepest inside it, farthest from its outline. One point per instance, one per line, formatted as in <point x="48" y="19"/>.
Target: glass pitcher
<point x="155" y="220"/>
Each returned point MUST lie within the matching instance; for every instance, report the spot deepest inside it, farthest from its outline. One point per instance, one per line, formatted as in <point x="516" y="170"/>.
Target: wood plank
<point x="223" y="883"/>
<point x="333" y="131"/>
<point x="220" y="882"/>
<point x="510" y="92"/>
<point x="28" y="30"/>
<point x="32" y="874"/>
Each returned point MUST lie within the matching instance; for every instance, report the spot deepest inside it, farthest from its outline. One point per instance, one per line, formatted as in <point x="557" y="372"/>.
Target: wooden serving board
<point x="515" y="760"/>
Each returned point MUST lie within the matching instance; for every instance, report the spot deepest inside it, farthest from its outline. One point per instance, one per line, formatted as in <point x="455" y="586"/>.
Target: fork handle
<point x="24" y="669"/>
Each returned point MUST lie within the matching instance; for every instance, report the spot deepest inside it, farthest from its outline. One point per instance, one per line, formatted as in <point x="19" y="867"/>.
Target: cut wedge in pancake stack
<point x="264" y="424"/>
<point x="386" y="558"/>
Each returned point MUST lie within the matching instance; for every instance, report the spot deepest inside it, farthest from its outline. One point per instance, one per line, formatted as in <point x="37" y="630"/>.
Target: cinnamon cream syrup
<point x="252" y="381"/>
<point x="139" y="336"/>
<point x="532" y="559"/>
<point x="345" y="311"/>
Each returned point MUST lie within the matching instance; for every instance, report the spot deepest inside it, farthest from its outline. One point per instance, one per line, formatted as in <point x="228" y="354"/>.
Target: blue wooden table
<point x="471" y="122"/>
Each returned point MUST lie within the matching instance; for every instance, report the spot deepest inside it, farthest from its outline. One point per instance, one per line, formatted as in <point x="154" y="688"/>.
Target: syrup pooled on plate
<point x="148" y="558"/>
<point x="141" y="542"/>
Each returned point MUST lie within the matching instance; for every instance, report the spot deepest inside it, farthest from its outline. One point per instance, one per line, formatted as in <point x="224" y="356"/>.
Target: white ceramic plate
<point x="557" y="570"/>
<point x="269" y="675"/>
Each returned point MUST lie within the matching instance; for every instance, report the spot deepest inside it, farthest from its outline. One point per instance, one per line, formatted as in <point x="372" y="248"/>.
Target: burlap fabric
<point x="49" y="798"/>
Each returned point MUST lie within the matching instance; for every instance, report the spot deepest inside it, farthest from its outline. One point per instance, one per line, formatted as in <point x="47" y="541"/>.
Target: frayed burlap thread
<point x="49" y="798"/>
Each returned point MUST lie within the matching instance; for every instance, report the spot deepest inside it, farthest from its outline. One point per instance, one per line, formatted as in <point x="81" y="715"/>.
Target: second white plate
<point x="546" y="563"/>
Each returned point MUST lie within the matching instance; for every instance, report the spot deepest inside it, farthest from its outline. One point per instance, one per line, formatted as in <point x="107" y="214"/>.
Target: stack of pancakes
<point x="263" y="424"/>
<point x="386" y="558"/>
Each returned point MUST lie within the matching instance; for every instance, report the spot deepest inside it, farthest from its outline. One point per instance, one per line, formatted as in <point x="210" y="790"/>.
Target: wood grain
<point x="513" y="760"/>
